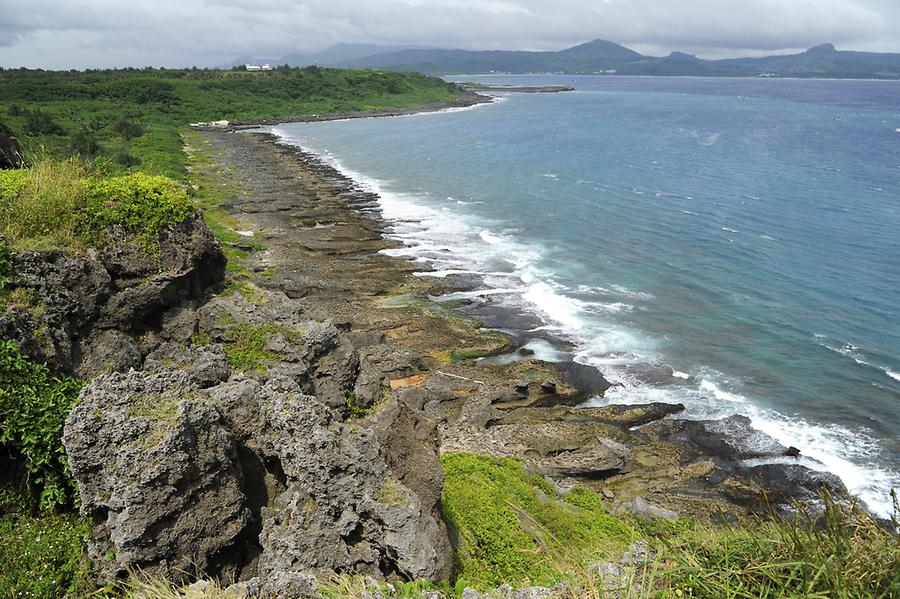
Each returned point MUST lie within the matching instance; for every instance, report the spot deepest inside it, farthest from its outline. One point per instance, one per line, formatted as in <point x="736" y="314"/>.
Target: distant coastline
<point x="602" y="57"/>
<point x="468" y="99"/>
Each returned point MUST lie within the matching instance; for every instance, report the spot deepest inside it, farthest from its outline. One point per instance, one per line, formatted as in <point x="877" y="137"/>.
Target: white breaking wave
<point x="638" y="295"/>
<point x="853" y="352"/>
<point x="831" y="448"/>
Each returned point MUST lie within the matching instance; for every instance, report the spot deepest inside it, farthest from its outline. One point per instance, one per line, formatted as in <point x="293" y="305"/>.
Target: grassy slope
<point x="512" y="527"/>
<point x="163" y="102"/>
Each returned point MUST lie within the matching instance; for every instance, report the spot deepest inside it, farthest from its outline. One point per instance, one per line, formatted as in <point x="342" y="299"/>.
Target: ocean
<point x="730" y="244"/>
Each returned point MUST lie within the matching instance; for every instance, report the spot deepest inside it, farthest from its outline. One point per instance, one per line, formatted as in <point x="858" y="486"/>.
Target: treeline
<point x="162" y="86"/>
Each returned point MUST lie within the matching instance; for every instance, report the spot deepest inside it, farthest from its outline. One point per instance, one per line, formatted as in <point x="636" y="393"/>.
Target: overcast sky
<point x="106" y="33"/>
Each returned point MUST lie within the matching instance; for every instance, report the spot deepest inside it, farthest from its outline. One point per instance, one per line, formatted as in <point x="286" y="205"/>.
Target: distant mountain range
<point x="599" y="56"/>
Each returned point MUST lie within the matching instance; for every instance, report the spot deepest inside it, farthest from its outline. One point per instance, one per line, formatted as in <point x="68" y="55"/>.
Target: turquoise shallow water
<point x="730" y="244"/>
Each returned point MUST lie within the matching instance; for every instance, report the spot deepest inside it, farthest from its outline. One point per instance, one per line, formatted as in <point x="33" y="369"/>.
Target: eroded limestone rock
<point x="158" y="473"/>
<point x="250" y="478"/>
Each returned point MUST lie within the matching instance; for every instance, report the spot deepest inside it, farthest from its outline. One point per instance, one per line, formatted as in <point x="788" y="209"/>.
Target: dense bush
<point x="84" y="144"/>
<point x="43" y="558"/>
<point x="141" y="204"/>
<point x="129" y="129"/>
<point x="126" y="158"/>
<point x="33" y="409"/>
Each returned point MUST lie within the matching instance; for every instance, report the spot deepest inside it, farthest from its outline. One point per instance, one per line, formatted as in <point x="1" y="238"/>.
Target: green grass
<point x="43" y="558"/>
<point x="512" y="528"/>
<point x="247" y="351"/>
<point x="140" y="113"/>
<point x="65" y="205"/>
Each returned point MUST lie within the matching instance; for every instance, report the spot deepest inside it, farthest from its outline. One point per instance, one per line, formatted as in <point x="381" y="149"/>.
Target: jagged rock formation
<point x="634" y="451"/>
<point x="248" y="479"/>
<point x="91" y="309"/>
<point x="10" y="153"/>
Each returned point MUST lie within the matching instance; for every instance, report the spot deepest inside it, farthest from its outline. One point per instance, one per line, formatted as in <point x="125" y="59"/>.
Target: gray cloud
<point x="82" y="33"/>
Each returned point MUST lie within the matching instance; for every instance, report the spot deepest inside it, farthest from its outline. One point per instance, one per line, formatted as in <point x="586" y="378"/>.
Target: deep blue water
<point x="733" y="244"/>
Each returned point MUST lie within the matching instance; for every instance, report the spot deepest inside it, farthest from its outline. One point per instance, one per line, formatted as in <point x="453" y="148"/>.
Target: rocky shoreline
<point x="466" y="99"/>
<point x="286" y="421"/>
<point x="497" y="409"/>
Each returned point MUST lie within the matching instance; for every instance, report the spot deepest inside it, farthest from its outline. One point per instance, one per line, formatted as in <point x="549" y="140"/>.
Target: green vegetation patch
<point x="512" y="528"/>
<point x="33" y="409"/>
<point x="141" y="204"/>
<point x="65" y="205"/>
<point x="5" y="262"/>
<point x="247" y="352"/>
<point x="846" y="553"/>
<point x="44" y="557"/>
<point x="133" y="117"/>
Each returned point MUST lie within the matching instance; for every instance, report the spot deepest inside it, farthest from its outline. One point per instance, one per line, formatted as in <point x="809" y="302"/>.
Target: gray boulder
<point x="342" y="509"/>
<point x="158" y="474"/>
<point x="206" y="365"/>
<point x="246" y="478"/>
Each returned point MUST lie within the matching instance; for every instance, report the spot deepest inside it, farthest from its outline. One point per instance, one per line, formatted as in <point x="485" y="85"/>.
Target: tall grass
<point x="845" y="553"/>
<point x="39" y="206"/>
<point x="64" y="204"/>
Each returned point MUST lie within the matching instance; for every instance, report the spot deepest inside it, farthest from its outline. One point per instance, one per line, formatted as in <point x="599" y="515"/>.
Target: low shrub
<point x="126" y="158"/>
<point x="129" y="129"/>
<point x="141" y="204"/>
<point x="38" y="122"/>
<point x="33" y="409"/>
<point x="85" y="144"/>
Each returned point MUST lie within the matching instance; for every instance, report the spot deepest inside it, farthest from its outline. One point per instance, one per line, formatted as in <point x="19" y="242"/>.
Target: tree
<point x="38" y="122"/>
